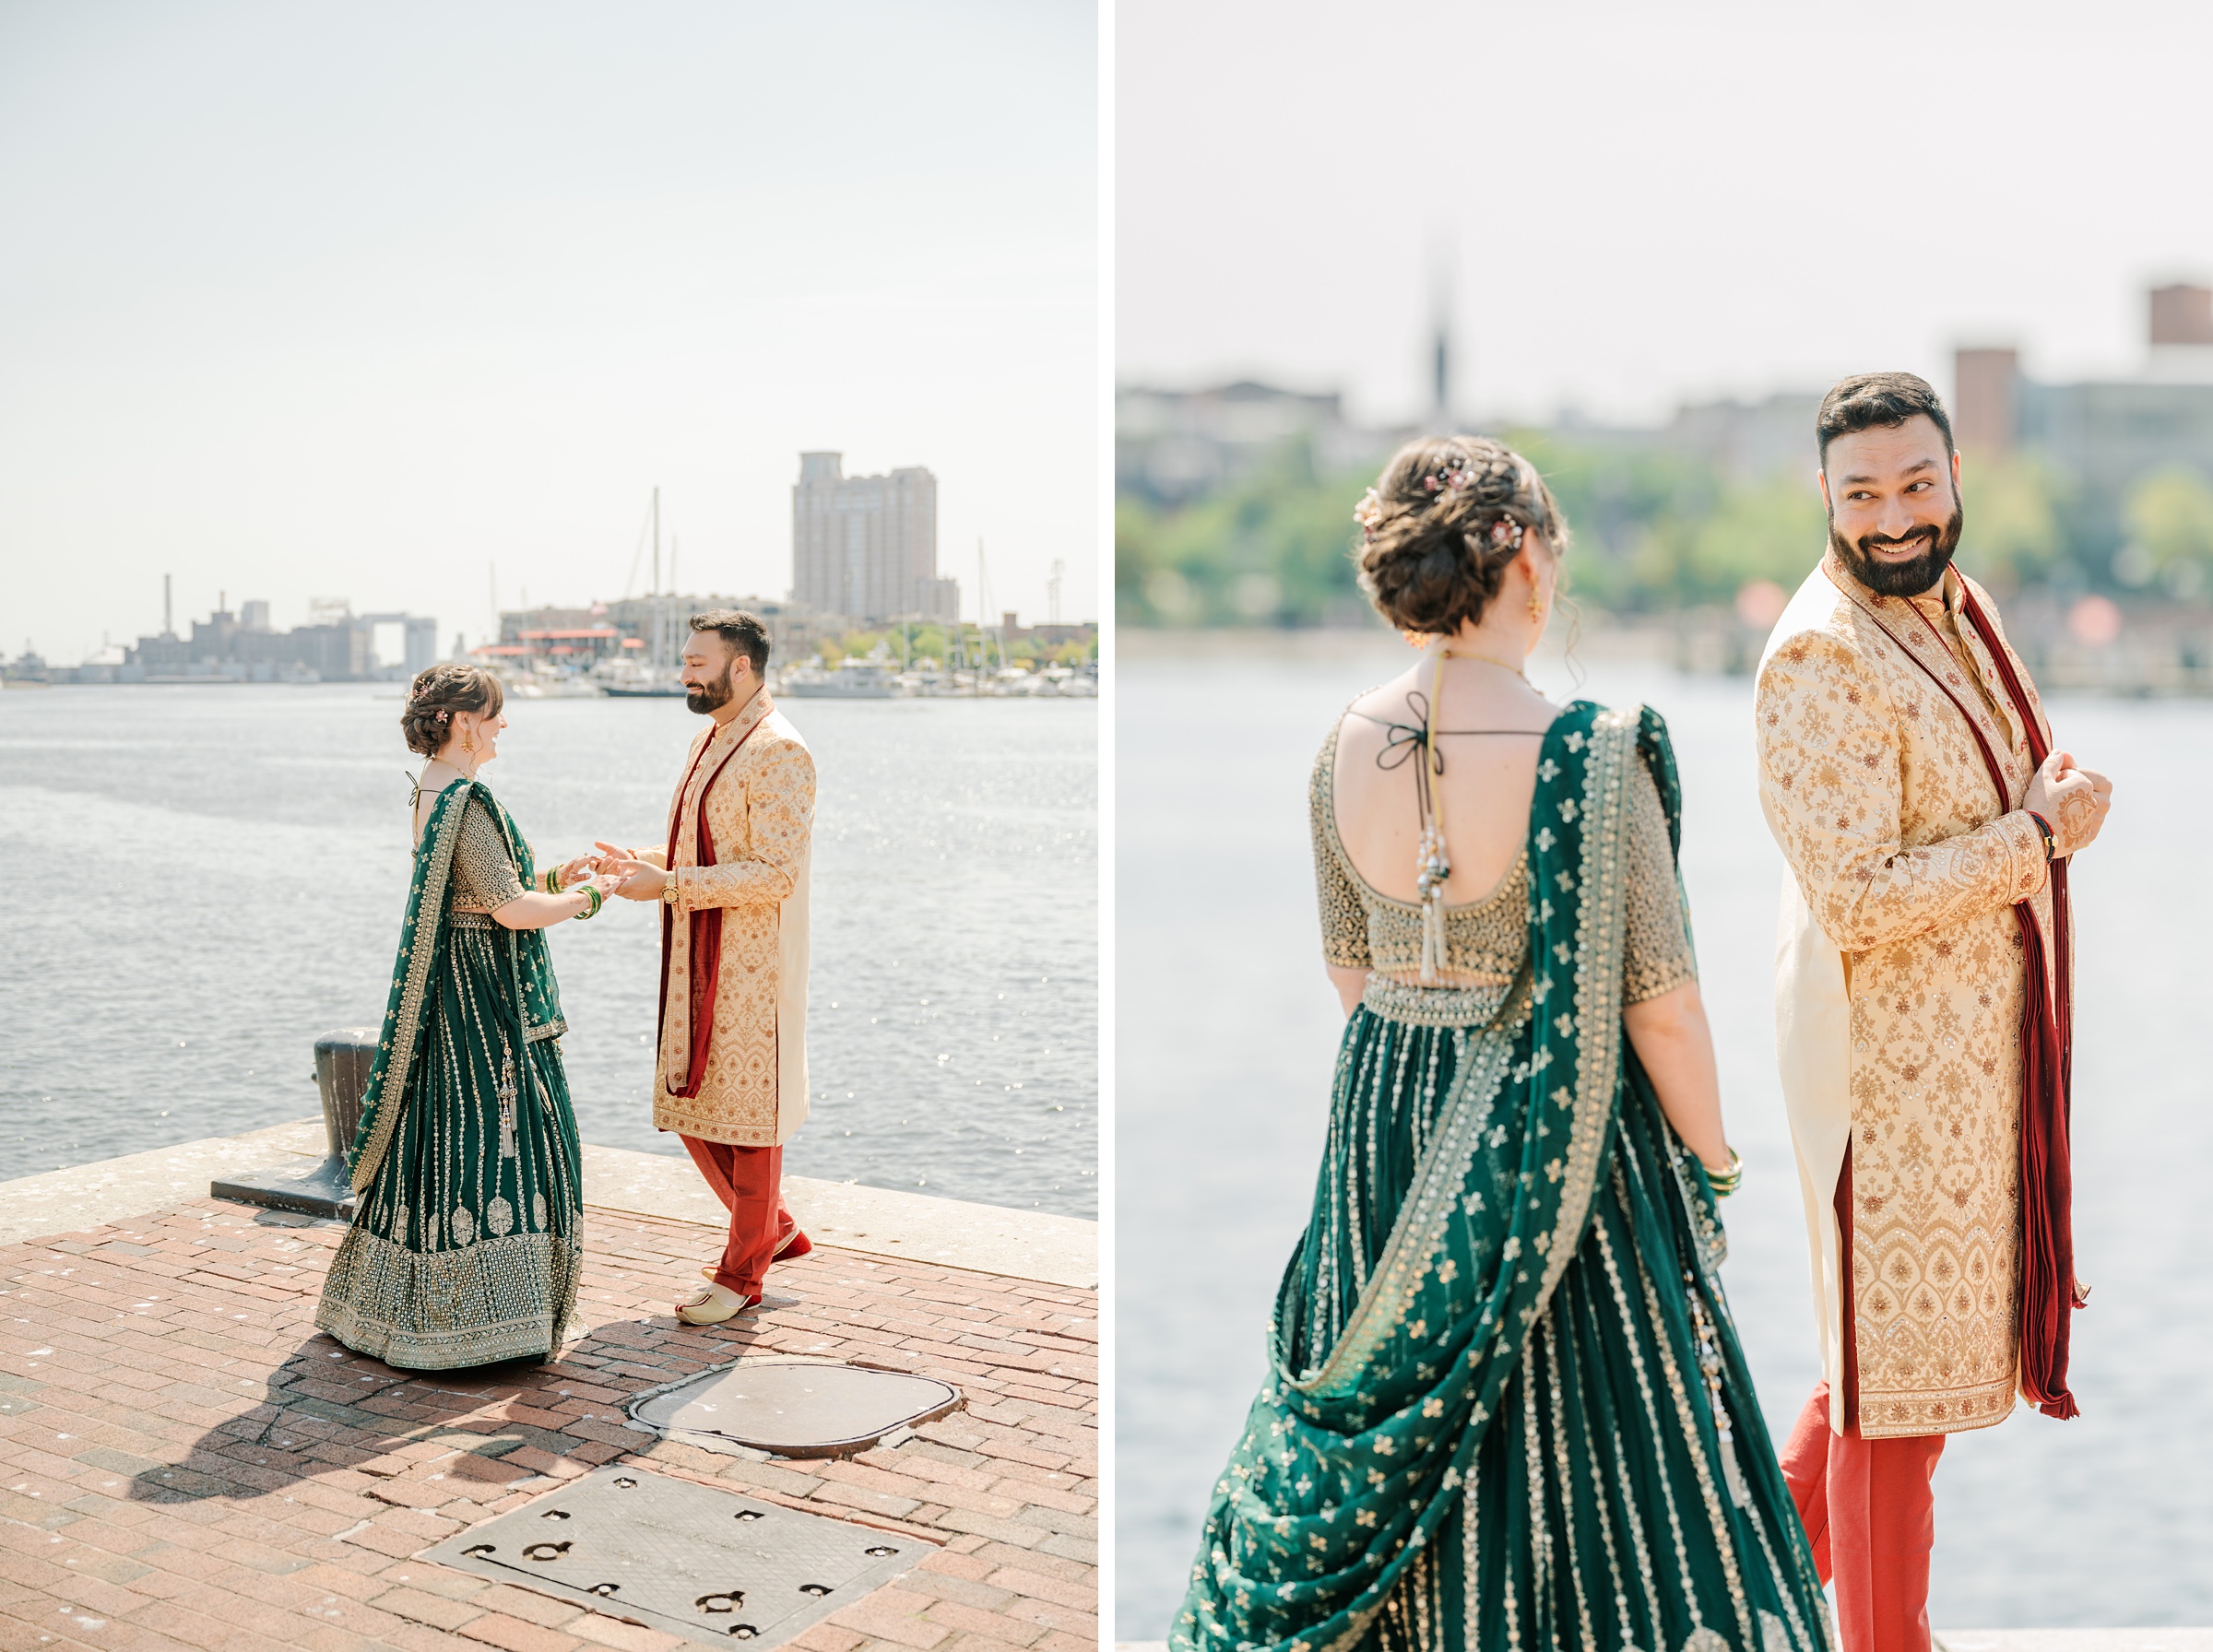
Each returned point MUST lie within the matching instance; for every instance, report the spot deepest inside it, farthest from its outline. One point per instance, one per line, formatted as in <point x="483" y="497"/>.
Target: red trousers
<point x="750" y="1183"/>
<point x="1868" y="1508"/>
<point x="1871" y="1517"/>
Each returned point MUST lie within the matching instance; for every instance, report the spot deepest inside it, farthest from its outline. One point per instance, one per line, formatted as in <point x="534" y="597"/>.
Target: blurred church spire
<point x="1441" y="409"/>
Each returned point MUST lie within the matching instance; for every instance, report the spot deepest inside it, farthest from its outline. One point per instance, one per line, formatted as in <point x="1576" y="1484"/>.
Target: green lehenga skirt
<point x="1506" y="1405"/>
<point x="1626" y="1493"/>
<point x="466" y="1242"/>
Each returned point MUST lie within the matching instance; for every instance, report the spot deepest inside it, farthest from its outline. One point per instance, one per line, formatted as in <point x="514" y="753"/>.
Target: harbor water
<point x="206" y="878"/>
<point x="1227" y="1029"/>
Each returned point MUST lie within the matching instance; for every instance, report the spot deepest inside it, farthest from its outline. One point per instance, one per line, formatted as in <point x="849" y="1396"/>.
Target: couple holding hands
<point x="468" y="1171"/>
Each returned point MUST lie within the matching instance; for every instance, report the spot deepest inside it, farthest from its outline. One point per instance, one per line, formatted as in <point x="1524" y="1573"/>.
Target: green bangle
<point x="591" y="896"/>
<point x="1724" y="1182"/>
<point x="546" y="881"/>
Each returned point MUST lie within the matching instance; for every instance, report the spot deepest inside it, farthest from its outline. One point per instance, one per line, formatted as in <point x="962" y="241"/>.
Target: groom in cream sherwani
<point x="1922" y="999"/>
<point x="732" y="881"/>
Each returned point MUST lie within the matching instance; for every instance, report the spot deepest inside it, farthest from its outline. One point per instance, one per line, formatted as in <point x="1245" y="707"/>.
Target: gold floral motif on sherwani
<point x="1900" y="984"/>
<point x="760" y="819"/>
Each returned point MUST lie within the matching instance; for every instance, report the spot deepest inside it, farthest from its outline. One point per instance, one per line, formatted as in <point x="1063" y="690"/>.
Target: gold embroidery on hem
<point x="501" y="1299"/>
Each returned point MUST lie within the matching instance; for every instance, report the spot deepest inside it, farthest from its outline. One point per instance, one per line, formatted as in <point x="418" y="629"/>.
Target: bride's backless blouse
<point x="1487" y="940"/>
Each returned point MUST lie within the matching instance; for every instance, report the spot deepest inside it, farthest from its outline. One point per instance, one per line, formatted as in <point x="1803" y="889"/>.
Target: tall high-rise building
<point x="866" y="546"/>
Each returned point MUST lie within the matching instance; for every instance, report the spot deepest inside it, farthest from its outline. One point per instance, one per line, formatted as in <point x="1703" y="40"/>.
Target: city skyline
<point x="310" y="306"/>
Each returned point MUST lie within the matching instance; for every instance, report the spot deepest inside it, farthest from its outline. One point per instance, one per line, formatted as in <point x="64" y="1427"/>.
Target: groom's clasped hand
<point x="616" y="872"/>
<point x="613" y="870"/>
<point x="635" y="878"/>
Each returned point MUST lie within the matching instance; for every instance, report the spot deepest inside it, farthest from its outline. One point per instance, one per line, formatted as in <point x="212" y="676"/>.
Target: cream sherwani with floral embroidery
<point x="760" y="821"/>
<point x="1900" y="984"/>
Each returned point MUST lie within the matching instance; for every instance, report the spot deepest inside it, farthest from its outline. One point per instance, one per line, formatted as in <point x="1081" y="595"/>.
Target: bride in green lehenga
<point x="467" y="1174"/>
<point x="1506" y="1406"/>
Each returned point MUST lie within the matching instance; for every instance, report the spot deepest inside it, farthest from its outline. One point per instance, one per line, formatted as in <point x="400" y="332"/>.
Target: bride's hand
<point x="573" y="869"/>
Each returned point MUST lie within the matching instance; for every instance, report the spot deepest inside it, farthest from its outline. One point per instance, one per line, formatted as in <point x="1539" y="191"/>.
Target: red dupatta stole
<point x="705" y="922"/>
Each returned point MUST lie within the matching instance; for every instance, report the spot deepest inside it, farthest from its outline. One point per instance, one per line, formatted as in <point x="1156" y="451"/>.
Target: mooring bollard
<point x="342" y="1062"/>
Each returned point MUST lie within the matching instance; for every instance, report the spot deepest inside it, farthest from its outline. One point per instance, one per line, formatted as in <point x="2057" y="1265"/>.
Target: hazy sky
<point x="304" y="301"/>
<point x="1651" y="202"/>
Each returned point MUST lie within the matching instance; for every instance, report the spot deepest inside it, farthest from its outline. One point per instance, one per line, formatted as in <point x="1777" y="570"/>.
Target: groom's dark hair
<point x="743" y="631"/>
<point x="1868" y="399"/>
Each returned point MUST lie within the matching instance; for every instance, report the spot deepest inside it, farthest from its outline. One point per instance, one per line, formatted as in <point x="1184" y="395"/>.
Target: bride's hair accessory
<point x="1368" y="512"/>
<point x="1442" y="523"/>
<point x="436" y="694"/>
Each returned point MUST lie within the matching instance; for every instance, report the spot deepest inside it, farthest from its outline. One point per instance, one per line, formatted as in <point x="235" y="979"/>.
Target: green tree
<point x="1616" y="499"/>
<point x="2013" y="534"/>
<point x="2170" y="516"/>
<point x="1136" y="559"/>
<point x="1653" y="529"/>
<point x="1772" y="530"/>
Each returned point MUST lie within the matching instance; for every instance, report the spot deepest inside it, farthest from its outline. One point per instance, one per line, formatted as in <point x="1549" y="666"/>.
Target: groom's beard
<point x="703" y="698"/>
<point x="1909" y="578"/>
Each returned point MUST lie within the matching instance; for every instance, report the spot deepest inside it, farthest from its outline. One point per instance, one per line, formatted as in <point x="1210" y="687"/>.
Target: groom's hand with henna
<point x="2073" y="802"/>
<point x="636" y="880"/>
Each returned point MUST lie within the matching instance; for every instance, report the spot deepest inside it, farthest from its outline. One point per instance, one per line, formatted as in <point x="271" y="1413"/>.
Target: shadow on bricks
<point x="327" y="1407"/>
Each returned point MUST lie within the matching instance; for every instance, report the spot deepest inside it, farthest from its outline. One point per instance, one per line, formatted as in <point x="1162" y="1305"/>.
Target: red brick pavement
<point x="186" y="1462"/>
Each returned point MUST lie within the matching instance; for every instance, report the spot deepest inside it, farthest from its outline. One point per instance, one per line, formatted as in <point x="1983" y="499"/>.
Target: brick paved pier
<point x="185" y="1462"/>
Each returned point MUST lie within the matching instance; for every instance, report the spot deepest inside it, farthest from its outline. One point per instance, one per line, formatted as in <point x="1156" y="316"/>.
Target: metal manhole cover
<point x="688" y="1558"/>
<point x="796" y="1407"/>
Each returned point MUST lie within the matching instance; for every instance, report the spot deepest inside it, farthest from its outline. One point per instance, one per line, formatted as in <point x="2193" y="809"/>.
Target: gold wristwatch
<point x="668" y="888"/>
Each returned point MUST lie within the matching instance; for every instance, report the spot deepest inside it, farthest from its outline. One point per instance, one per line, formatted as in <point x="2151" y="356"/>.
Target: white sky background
<point x="1651" y="203"/>
<point x="355" y="301"/>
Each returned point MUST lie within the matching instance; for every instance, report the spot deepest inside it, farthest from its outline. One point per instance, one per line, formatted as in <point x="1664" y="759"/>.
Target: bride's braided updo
<point x="1440" y="526"/>
<point x="437" y="694"/>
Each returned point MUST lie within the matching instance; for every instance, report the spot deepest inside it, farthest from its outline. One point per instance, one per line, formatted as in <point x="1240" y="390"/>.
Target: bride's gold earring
<point x="469" y="739"/>
<point x="1536" y="606"/>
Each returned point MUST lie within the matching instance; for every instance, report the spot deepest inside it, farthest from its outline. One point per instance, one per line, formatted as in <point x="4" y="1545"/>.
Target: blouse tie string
<point x="1433" y="861"/>
<point x="1433" y="864"/>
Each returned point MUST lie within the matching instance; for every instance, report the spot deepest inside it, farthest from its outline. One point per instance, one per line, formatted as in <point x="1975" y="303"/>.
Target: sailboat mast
<point x="657" y="576"/>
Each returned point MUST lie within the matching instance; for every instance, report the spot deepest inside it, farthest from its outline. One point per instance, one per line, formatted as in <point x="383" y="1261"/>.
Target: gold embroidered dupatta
<point x="424" y="935"/>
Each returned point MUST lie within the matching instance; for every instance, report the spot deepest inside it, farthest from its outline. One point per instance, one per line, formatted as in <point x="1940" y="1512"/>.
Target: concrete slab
<point x="1024" y="1244"/>
<point x="91" y="1196"/>
<point x="1027" y="1244"/>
